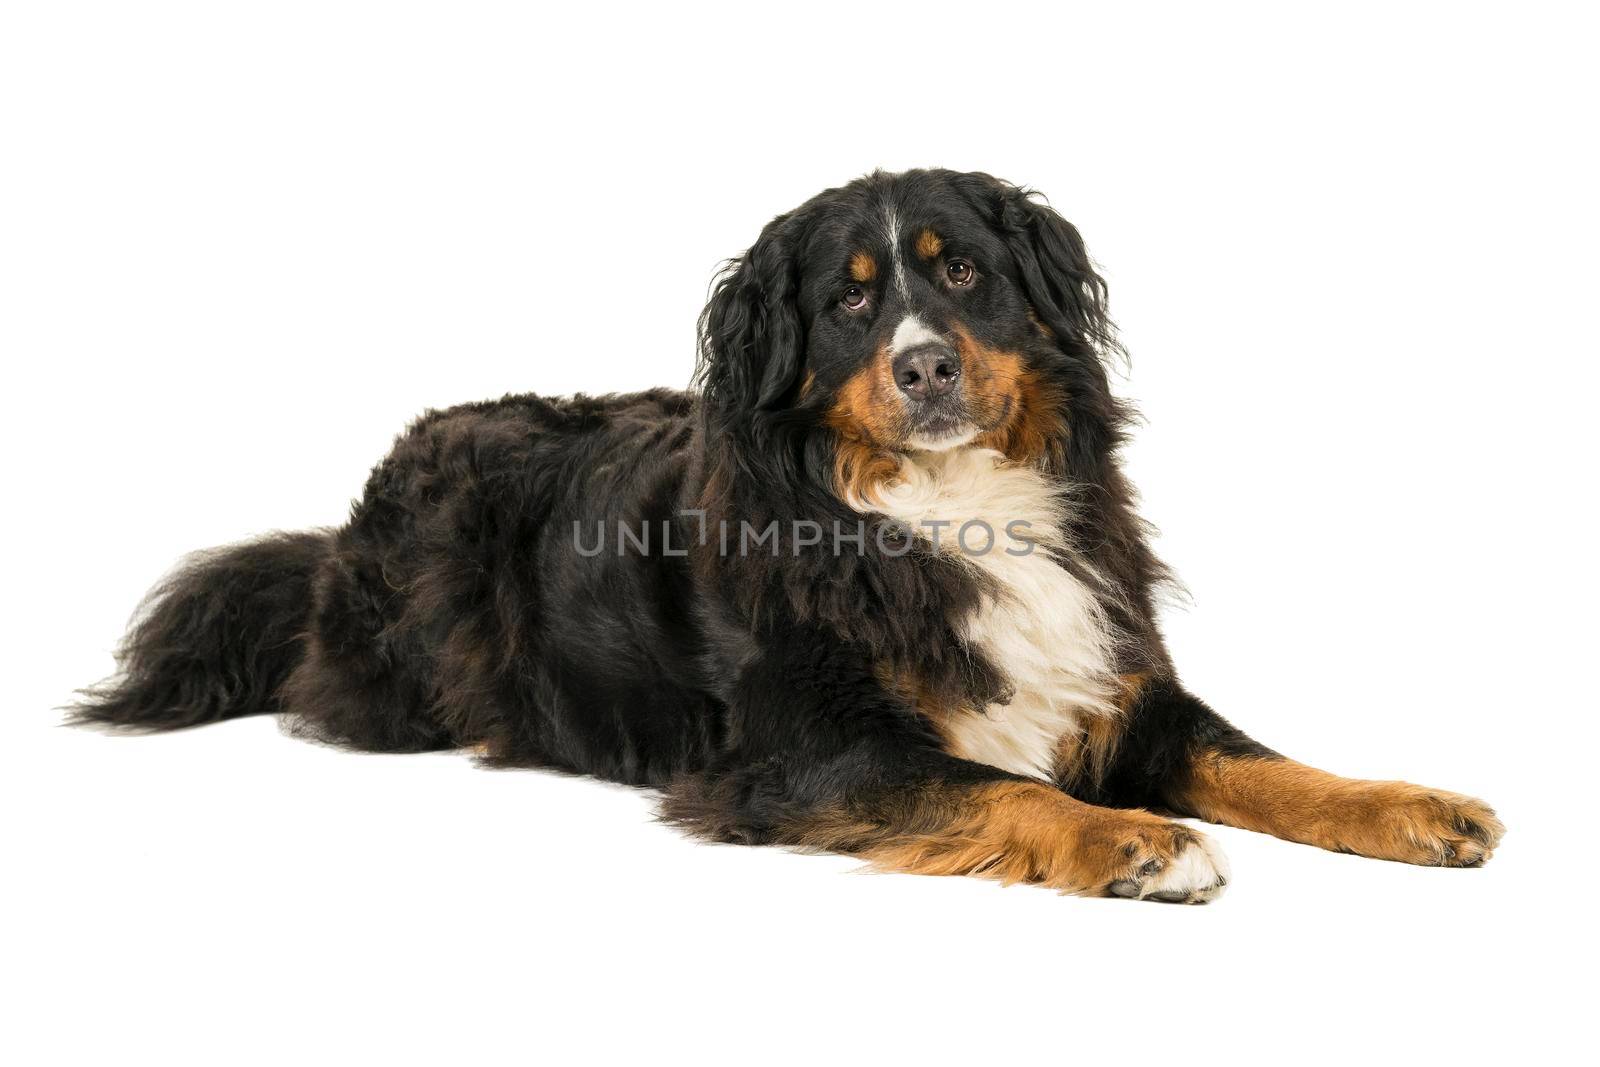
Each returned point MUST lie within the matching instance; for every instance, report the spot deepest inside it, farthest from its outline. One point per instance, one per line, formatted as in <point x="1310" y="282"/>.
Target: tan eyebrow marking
<point x="929" y="244"/>
<point x="863" y="268"/>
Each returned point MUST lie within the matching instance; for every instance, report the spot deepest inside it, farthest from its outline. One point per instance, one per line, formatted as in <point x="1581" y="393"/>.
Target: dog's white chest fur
<point x="1045" y="629"/>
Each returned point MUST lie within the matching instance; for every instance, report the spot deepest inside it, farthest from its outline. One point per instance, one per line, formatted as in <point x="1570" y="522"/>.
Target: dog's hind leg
<point x="364" y="681"/>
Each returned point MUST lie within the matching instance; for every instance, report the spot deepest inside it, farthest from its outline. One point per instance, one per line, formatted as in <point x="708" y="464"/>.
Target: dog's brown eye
<point x="959" y="271"/>
<point x="854" y="298"/>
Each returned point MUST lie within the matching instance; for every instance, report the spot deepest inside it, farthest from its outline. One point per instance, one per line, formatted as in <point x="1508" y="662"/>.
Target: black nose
<point x="928" y="370"/>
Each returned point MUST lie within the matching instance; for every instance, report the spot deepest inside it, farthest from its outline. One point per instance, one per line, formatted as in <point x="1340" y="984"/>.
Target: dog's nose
<point x="927" y="370"/>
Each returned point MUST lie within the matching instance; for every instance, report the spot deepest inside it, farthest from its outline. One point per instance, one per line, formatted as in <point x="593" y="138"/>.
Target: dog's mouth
<point x="948" y="422"/>
<point x="942" y="432"/>
<point x="959" y="418"/>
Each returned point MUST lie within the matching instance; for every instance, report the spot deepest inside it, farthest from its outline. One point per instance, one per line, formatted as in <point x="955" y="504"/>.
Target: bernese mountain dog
<point x="877" y="586"/>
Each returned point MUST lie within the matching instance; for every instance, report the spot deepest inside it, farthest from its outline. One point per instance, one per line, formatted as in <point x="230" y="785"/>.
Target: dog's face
<point x="921" y="311"/>
<point x="917" y="328"/>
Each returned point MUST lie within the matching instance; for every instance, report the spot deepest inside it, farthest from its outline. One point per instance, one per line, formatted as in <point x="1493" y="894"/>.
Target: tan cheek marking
<point x="865" y="416"/>
<point x="1021" y="411"/>
<point x="863" y="268"/>
<point x="1035" y="431"/>
<point x="928" y="244"/>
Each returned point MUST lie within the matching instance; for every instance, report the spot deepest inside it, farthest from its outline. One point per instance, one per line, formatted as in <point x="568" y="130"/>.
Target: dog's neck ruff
<point x="1045" y="629"/>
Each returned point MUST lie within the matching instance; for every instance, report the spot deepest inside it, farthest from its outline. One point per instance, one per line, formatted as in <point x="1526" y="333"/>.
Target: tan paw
<point x="1438" y="829"/>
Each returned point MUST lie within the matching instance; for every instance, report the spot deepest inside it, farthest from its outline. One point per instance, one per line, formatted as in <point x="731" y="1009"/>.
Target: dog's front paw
<point x="1170" y="863"/>
<point x="1435" y="828"/>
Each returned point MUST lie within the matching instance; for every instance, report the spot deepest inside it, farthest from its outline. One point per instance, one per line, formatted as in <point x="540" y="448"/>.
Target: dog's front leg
<point x="828" y="759"/>
<point x="1204" y="767"/>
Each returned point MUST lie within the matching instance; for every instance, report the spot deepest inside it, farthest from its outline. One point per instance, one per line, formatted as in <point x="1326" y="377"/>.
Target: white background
<point x="1353" y="259"/>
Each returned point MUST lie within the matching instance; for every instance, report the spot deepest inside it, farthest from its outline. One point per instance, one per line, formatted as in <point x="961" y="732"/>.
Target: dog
<point x="876" y="586"/>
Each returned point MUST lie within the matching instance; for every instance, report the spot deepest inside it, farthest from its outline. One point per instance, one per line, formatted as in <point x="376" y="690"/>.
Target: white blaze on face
<point x="891" y="229"/>
<point x="911" y="332"/>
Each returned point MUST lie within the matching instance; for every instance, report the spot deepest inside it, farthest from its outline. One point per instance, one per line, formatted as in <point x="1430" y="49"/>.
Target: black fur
<point x="1165" y="726"/>
<point x="454" y="609"/>
<point x="216" y="639"/>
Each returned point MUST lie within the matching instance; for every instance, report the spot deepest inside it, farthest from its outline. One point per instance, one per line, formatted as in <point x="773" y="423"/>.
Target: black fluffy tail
<point x="215" y="640"/>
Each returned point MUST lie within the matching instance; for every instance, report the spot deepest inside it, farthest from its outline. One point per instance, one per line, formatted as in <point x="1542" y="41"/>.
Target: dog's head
<point x="919" y="311"/>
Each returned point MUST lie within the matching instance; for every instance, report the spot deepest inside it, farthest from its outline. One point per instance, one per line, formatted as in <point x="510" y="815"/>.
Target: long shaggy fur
<point x="568" y="582"/>
<point x="215" y="640"/>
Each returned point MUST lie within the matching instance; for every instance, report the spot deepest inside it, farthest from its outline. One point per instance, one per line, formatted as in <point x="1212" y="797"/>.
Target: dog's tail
<point x="215" y="640"/>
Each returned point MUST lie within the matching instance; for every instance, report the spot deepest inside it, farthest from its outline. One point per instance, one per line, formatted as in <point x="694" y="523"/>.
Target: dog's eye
<point x="855" y="298"/>
<point x="959" y="271"/>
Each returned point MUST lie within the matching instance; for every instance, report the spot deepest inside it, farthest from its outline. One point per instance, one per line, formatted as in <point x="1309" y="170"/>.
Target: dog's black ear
<point x="752" y="340"/>
<point x="1067" y="294"/>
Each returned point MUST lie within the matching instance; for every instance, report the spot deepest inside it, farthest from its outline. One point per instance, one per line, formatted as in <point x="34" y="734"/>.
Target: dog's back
<point x="487" y="591"/>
